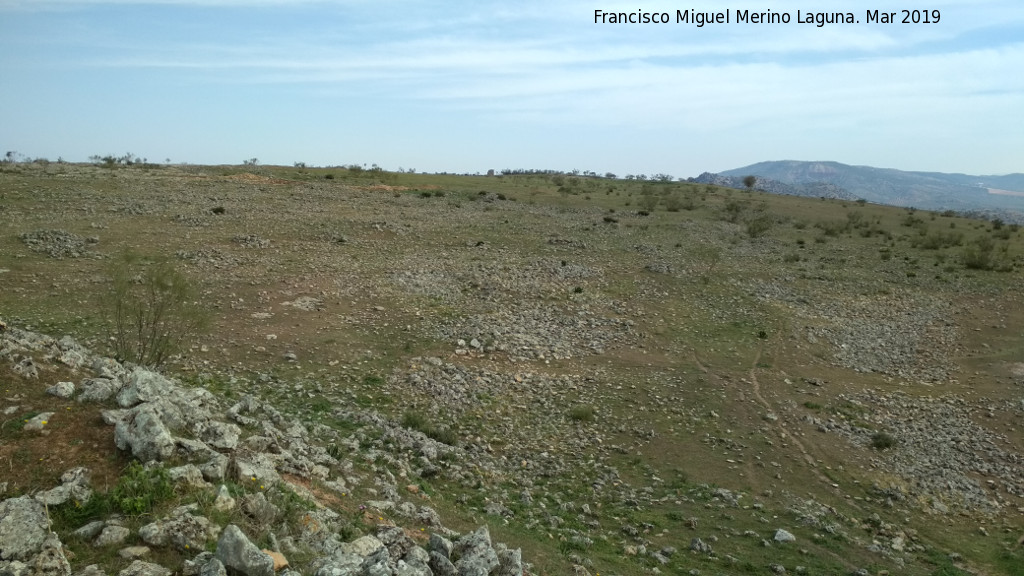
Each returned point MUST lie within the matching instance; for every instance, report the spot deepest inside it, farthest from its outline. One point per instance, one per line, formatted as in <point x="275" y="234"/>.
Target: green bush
<point x="582" y="413"/>
<point x="938" y="240"/>
<point x="140" y="489"/>
<point x="417" y="421"/>
<point x="983" y="254"/>
<point x="882" y="441"/>
<point x="151" y="310"/>
<point x="759" y="226"/>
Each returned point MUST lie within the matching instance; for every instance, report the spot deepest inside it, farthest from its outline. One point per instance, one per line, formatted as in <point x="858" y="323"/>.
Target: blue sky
<point x="468" y="86"/>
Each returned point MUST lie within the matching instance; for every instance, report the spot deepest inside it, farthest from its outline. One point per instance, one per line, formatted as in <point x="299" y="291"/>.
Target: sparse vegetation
<point x="569" y="352"/>
<point x="882" y="441"/>
<point x="150" y="309"/>
<point x="140" y="489"/>
<point x="582" y="413"/>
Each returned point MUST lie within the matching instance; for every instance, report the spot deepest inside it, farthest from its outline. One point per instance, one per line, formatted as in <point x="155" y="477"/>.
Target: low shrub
<point x="882" y="441"/>
<point x="582" y="413"/>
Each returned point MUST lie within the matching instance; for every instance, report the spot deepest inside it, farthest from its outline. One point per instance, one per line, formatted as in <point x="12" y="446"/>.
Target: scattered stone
<point x="58" y="244"/>
<point x="91" y="570"/>
<point x="133" y="552"/>
<point x="213" y="567"/>
<point x="38" y="422"/>
<point x="698" y="545"/>
<point x="141" y="568"/>
<point x="62" y="389"/>
<point x="188" y="475"/>
<point x="224" y="502"/>
<point x="89" y="531"/>
<point x="112" y="536"/>
<point x="363" y="547"/>
<point x="74" y="488"/>
<point x="784" y="536"/>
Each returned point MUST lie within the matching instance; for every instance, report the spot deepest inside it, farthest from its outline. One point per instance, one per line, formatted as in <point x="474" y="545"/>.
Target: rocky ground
<point x="608" y="391"/>
<point x="202" y="446"/>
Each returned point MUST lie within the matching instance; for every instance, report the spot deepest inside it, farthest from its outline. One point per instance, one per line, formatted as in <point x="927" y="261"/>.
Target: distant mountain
<point x="982" y="195"/>
<point x="813" y="189"/>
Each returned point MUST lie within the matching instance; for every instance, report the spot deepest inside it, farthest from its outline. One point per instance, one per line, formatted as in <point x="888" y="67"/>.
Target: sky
<point x="468" y="86"/>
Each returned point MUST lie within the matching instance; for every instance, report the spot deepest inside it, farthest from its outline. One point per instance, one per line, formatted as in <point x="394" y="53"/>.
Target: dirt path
<point x="779" y="424"/>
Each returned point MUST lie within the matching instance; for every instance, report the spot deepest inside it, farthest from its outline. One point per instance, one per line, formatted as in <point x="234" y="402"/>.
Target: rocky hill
<point x="612" y="377"/>
<point x="813" y="189"/>
<point x="235" y="473"/>
<point x="924" y="190"/>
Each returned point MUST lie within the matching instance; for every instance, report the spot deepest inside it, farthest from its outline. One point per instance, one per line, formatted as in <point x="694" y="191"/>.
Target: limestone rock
<point x="213" y="568"/>
<point x="143" y="433"/>
<point x="74" y="487"/>
<point x="256" y="468"/>
<point x="97" y="389"/>
<point x="23" y="528"/>
<point x="510" y="562"/>
<point x="193" y="566"/>
<point x="91" y="570"/>
<point x="89" y="531"/>
<point x="51" y="561"/>
<point x="62" y="389"/>
<point x="341" y="564"/>
<point x="143" y="386"/>
<point x="140" y="568"/>
<point x="181" y="530"/>
<point x="38" y="422"/>
<point x="224" y="502"/>
<point x="784" y="536"/>
<point x="221" y="435"/>
<point x="133" y="552"/>
<point x="474" y="553"/>
<point x="112" y="536"/>
<point x="441" y="545"/>
<point x="698" y="545"/>
<point x="441" y="565"/>
<point x="362" y="547"/>
<point x="237" y="553"/>
<point x="188" y="475"/>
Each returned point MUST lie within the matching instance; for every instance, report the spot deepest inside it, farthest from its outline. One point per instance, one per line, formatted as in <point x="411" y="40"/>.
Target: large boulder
<point x="239" y="555"/>
<point x="143" y="433"/>
<point x="510" y="561"/>
<point x="181" y="530"/>
<point x="23" y="528"/>
<point x="475" y="556"/>
<point x="98" y="389"/>
<point x="143" y="386"/>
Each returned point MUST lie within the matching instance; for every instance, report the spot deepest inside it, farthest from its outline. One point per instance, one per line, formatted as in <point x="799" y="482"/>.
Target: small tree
<point x="749" y="181"/>
<point x="150" y="310"/>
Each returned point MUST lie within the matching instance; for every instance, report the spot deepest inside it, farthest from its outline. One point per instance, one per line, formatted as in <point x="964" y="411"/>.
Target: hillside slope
<point x="611" y="376"/>
<point x="926" y="190"/>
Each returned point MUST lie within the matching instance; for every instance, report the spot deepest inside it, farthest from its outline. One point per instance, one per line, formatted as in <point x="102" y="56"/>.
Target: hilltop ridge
<point x="981" y="195"/>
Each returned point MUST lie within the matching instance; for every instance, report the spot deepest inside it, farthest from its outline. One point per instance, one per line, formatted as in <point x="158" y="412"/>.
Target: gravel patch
<point x="59" y="244"/>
